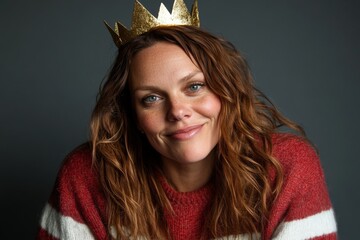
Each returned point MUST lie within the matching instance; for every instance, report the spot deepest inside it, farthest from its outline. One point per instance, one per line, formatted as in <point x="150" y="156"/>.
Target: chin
<point x="195" y="157"/>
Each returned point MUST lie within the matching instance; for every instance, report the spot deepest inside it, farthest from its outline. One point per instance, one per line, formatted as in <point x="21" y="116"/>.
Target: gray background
<point x="54" y="54"/>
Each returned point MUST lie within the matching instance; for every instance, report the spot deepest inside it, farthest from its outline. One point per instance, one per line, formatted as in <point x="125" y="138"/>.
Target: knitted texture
<point x="77" y="209"/>
<point x="189" y="209"/>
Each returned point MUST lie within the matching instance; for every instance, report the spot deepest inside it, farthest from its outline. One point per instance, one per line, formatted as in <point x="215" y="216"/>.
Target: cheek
<point x="211" y="106"/>
<point x="148" y="121"/>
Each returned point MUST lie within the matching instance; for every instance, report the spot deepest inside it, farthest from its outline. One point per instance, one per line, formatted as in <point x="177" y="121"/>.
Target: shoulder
<point x="77" y="175"/>
<point x="302" y="172"/>
<point x="78" y="161"/>
<point x="295" y="153"/>
<point x="300" y="162"/>
<point x="76" y="206"/>
<point x="304" y="200"/>
<point x="77" y="187"/>
<point x="287" y="145"/>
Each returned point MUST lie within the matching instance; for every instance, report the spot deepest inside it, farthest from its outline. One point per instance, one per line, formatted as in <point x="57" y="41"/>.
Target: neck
<point x="190" y="176"/>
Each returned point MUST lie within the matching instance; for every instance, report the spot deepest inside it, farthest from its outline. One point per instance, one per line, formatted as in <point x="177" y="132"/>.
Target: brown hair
<point x="241" y="175"/>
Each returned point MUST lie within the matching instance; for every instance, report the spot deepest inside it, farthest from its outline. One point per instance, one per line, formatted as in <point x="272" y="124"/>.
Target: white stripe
<point x="63" y="227"/>
<point x="313" y="226"/>
<point x="241" y="237"/>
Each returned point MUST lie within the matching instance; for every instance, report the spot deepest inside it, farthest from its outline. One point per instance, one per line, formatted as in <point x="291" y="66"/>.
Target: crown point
<point x="123" y="32"/>
<point x="164" y="14"/>
<point x="114" y="34"/>
<point x="180" y="13"/>
<point x="142" y="19"/>
<point x="195" y="14"/>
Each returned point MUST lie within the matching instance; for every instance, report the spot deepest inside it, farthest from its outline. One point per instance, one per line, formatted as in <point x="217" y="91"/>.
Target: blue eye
<point x="195" y="87"/>
<point x="151" y="99"/>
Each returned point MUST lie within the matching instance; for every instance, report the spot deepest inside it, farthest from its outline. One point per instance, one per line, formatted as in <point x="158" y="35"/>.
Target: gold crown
<point x="143" y="20"/>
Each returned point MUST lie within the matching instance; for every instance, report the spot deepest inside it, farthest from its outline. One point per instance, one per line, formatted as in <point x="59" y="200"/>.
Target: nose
<point x="178" y="110"/>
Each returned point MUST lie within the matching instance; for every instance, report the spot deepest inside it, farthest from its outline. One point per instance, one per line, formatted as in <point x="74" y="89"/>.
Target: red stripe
<point x="43" y="235"/>
<point x="332" y="236"/>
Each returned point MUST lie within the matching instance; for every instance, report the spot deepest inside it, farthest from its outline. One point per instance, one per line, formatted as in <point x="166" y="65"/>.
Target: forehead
<point x="160" y="61"/>
<point x="158" y="51"/>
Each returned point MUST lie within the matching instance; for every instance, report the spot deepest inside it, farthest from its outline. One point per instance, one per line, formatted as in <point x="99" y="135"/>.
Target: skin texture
<point x="177" y="113"/>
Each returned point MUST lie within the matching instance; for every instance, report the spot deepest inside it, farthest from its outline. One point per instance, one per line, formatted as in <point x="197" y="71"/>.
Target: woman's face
<point x="174" y="108"/>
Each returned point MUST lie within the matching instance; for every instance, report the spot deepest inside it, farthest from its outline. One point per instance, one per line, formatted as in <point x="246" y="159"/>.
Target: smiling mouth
<point x="186" y="133"/>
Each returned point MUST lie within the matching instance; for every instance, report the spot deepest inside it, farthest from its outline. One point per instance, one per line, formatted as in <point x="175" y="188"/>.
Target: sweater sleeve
<point x="303" y="209"/>
<point x="75" y="209"/>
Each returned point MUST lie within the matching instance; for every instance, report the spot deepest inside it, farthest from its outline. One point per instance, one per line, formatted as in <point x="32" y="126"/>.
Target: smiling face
<point x="174" y="107"/>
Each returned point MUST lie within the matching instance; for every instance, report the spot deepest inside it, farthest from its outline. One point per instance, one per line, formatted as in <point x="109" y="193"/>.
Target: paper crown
<point x="143" y="20"/>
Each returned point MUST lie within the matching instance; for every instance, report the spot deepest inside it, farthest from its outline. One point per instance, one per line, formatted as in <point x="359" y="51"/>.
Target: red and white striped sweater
<point x="76" y="209"/>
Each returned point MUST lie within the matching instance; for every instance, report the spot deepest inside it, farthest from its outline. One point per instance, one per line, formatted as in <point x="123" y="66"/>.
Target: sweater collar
<point x="199" y="196"/>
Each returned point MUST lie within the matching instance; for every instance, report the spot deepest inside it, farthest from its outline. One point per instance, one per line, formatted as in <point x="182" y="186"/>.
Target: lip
<point x="185" y="133"/>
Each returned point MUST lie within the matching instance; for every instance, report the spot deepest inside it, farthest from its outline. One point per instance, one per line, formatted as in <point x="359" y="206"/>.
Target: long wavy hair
<point x="127" y="164"/>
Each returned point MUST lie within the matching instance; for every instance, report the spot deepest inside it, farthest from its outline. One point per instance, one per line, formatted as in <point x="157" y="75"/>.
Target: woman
<point x="184" y="147"/>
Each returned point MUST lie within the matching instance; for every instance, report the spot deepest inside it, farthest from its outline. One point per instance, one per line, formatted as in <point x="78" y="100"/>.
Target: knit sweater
<point x="77" y="207"/>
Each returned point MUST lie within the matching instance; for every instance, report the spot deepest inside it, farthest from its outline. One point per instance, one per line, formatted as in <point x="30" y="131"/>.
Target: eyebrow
<point x="183" y="79"/>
